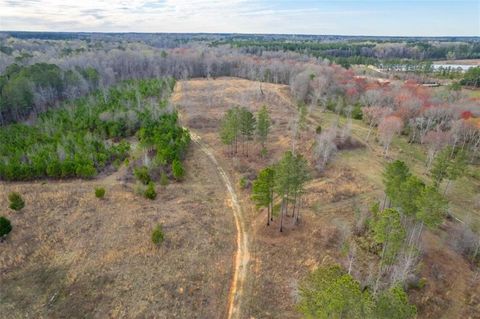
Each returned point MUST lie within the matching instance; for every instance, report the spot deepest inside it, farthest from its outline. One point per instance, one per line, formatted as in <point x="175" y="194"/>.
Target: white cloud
<point x="240" y="16"/>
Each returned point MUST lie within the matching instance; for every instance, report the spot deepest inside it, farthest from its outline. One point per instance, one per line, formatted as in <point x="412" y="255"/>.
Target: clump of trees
<point x="81" y="140"/>
<point x="16" y="201"/>
<point x="239" y="127"/>
<point x="471" y="77"/>
<point x="285" y="180"/>
<point x="412" y="205"/>
<point x="330" y="292"/>
<point x="5" y="226"/>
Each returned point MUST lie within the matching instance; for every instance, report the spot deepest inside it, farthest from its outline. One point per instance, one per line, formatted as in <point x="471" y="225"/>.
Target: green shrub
<point x="243" y="182"/>
<point x="150" y="192"/>
<point x="158" y="236"/>
<point x="177" y="169"/>
<point x="357" y="113"/>
<point x="99" y="192"/>
<point x="5" y="226"/>
<point x="141" y="173"/>
<point x="16" y="201"/>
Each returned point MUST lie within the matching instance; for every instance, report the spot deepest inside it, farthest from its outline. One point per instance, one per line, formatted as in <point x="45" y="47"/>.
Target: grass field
<point x="462" y="194"/>
<point x="352" y="182"/>
<point x="71" y="255"/>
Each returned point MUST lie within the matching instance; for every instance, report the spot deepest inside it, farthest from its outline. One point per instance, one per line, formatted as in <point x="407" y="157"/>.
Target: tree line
<point x="34" y="88"/>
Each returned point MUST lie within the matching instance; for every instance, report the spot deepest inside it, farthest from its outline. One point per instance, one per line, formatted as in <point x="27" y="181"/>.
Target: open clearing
<point x="71" y="255"/>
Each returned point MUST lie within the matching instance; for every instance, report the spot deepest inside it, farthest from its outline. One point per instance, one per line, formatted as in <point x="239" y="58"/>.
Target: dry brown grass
<point x="71" y="255"/>
<point x="280" y="260"/>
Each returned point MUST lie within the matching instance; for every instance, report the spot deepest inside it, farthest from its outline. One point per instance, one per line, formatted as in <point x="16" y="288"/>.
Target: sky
<point x="387" y="17"/>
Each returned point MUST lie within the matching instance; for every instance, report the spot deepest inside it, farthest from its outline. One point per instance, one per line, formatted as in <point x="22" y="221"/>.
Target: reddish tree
<point x="466" y="115"/>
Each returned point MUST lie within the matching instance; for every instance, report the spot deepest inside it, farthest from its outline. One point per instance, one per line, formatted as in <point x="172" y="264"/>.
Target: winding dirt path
<point x="240" y="267"/>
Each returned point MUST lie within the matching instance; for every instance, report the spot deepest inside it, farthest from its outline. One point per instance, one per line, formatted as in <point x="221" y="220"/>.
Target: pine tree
<point x="393" y="304"/>
<point x="407" y="193"/>
<point x="330" y="292"/>
<point x="448" y="166"/>
<point x="440" y="167"/>
<point x="229" y="129"/>
<point x="301" y="175"/>
<point x="263" y="126"/>
<point x="389" y="231"/>
<point x="247" y="127"/>
<point x="262" y="191"/>
<point x="432" y="207"/>
<point x="291" y="173"/>
<point x="395" y="174"/>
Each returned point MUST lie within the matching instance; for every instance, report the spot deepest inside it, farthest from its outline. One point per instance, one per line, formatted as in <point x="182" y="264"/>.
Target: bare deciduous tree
<point x="388" y="128"/>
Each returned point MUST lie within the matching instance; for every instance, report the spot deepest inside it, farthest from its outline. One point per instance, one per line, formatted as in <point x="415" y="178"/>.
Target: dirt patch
<point x="349" y="143"/>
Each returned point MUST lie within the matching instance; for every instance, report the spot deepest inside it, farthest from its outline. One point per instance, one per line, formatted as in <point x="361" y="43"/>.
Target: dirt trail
<point x="242" y="256"/>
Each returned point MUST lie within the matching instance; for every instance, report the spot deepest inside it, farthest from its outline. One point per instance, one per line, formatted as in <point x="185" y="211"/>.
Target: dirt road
<point x="240" y="267"/>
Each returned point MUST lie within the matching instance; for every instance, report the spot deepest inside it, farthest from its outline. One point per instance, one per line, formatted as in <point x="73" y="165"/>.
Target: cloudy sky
<point x="387" y="17"/>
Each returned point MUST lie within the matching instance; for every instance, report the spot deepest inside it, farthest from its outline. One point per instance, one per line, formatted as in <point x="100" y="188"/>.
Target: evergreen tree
<point x="16" y="201"/>
<point x="263" y="126"/>
<point x="301" y="175"/>
<point x="407" y="193"/>
<point x="329" y="292"/>
<point x="247" y="127"/>
<point x="283" y="181"/>
<point x="395" y="174"/>
<point x="262" y="191"/>
<point x="158" y="235"/>
<point x="389" y="231"/>
<point x="439" y="170"/>
<point x="448" y="166"/>
<point x="291" y="174"/>
<point x="230" y="129"/>
<point x="393" y="304"/>
<point x="457" y="168"/>
<point x="177" y="169"/>
<point x="432" y="207"/>
<point x="5" y="226"/>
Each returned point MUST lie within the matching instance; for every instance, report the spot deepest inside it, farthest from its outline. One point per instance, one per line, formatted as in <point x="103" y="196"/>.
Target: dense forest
<point x="83" y="136"/>
<point x="351" y="52"/>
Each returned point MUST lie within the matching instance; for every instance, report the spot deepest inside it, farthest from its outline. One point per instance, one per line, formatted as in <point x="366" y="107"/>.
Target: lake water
<point x="463" y="67"/>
